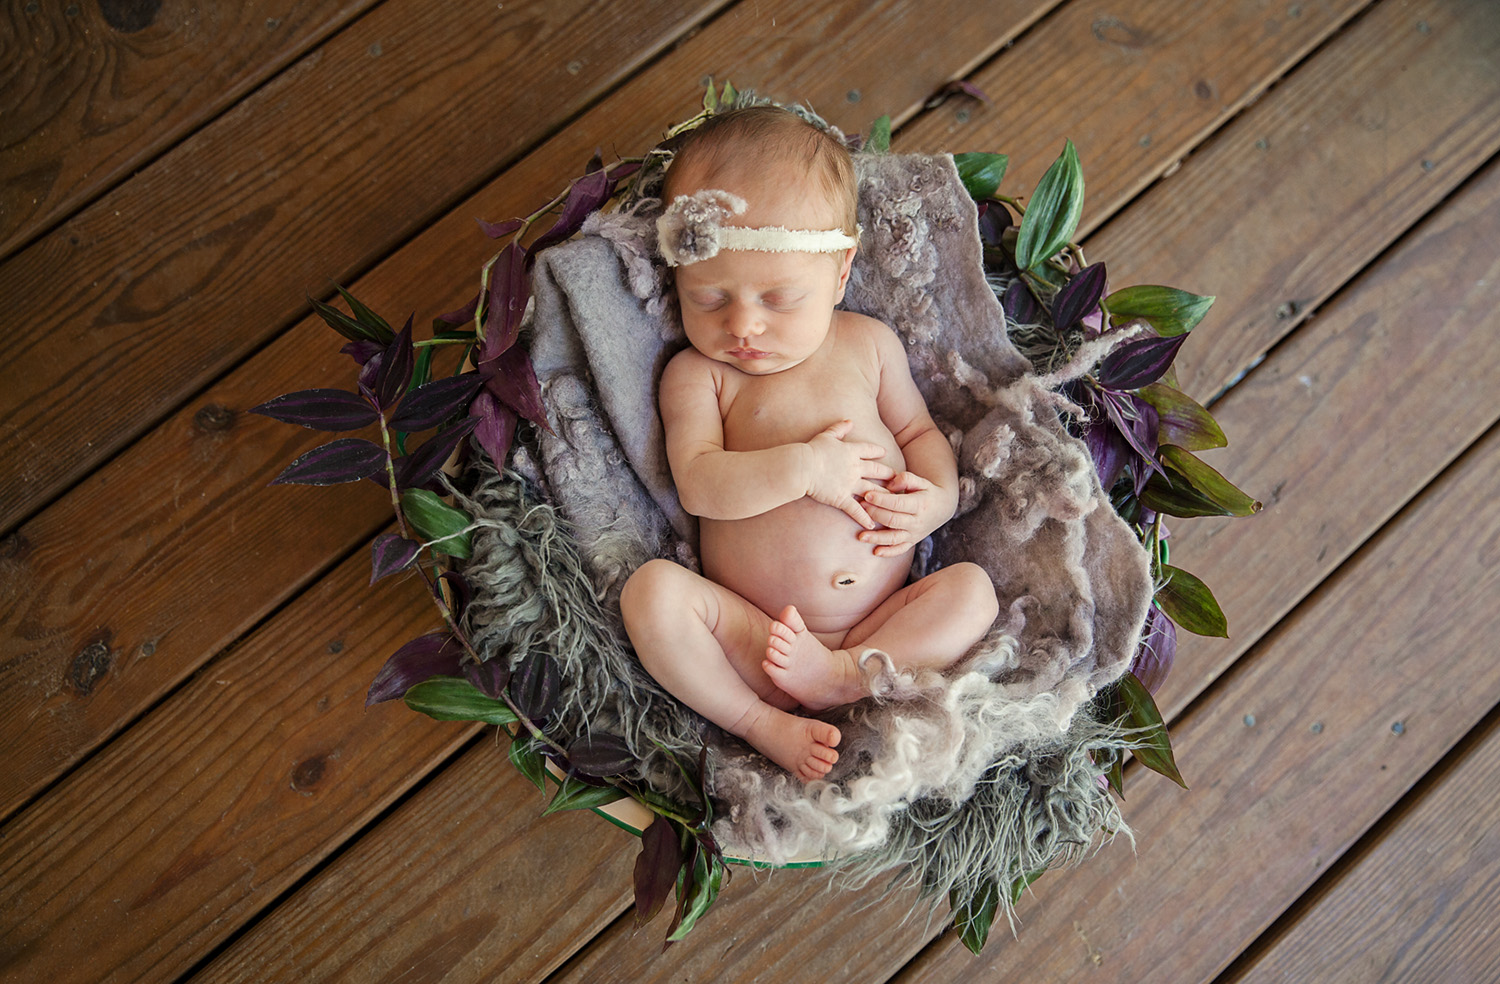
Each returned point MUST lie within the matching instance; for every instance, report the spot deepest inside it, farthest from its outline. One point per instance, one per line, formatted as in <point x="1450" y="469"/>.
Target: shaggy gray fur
<point x="983" y="773"/>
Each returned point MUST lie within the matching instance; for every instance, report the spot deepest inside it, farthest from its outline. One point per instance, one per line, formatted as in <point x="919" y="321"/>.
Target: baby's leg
<point x="926" y="625"/>
<point x="704" y="644"/>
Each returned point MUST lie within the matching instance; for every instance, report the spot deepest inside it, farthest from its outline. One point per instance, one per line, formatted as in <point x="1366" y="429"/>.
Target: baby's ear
<point x="844" y="268"/>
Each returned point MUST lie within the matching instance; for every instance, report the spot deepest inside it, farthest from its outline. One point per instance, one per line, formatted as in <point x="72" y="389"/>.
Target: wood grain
<point x="1136" y="88"/>
<point x="450" y="889"/>
<point x="1420" y="904"/>
<point x="92" y="91"/>
<point x="1274" y="803"/>
<point x="160" y="846"/>
<point x="1277" y="211"/>
<point x="165" y="282"/>
<point x="199" y="516"/>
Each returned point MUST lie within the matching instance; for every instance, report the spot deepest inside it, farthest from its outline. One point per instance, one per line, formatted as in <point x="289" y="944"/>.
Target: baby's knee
<point x="976" y="592"/>
<point x="646" y="590"/>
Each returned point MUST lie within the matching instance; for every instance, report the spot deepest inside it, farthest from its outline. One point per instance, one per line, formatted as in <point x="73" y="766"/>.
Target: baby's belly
<point x="805" y="554"/>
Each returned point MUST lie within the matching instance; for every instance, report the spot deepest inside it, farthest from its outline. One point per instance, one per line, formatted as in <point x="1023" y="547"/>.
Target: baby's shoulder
<point x="876" y="337"/>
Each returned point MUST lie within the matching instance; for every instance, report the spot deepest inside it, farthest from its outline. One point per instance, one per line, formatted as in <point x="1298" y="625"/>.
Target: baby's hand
<point x="842" y="470"/>
<point x="909" y="508"/>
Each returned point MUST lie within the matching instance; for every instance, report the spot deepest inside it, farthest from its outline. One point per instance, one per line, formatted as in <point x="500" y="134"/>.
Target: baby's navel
<point x="845" y="579"/>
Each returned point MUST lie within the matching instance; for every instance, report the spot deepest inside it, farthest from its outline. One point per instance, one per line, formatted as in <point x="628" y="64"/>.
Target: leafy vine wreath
<point x="1141" y="432"/>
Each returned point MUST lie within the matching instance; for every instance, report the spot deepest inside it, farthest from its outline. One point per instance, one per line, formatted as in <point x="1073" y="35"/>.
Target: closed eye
<point x="782" y="302"/>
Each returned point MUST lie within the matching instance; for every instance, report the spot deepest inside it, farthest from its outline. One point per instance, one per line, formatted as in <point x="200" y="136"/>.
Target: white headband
<point x="692" y="229"/>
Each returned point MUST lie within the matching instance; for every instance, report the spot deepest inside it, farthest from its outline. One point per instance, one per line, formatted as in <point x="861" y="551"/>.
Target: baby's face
<point x="765" y="312"/>
<point x="761" y="312"/>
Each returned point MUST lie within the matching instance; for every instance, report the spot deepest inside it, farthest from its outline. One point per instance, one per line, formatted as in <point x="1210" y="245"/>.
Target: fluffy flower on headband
<point x="692" y="229"/>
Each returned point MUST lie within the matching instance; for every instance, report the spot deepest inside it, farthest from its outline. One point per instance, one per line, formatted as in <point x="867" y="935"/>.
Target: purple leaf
<point x="320" y="409"/>
<point x="431" y="403"/>
<point x="396" y="365"/>
<point x="362" y="352"/>
<point x="1158" y="650"/>
<point x="584" y="198"/>
<point x="1139" y="363"/>
<point x="459" y="316"/>
<point x="497" y="426"/>
<point x="656" y="868"/>
<point x="535" y="685"/>
<point x="513" y="381"/>
<point x="601" y="755"/>
<point x="1125" y="413"/>
<point x="499" y="230"/>
<point x="1109" y="450"/>
<point x="434" y="654"/>
<point x="348" y="459"/>
<point x="1079" y="297"/>
<point x="418" y="468"/>
<point x="369" y="373"/>
<point x="994" y="219"/>
<point x="459" y="591"/>
<point x="389" y="553"/>
<point x="624" y="169"/>
<point x="1020" y="304"/>
<point x="509" y="292"/>
<point x="955" y="87"/>
<point x="490" y="677"/>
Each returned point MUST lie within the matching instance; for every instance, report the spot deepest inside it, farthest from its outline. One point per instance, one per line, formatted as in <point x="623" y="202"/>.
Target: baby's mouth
<point x="749" y="354"/>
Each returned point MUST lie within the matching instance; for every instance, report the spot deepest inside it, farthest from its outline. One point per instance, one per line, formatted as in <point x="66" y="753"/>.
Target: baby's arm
<point x="917" y="501"/>
<point x="713" y="483"/>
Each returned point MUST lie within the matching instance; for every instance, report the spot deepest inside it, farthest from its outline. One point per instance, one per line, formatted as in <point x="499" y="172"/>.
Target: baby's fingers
<point x="889" y="517"/>
<point x="857" y="513"/>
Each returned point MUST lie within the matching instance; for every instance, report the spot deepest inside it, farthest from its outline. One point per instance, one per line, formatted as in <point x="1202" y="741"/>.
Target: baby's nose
<point x="741" y="322"/>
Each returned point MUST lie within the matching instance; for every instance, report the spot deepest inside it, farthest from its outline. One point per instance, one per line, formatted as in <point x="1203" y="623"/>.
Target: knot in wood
<point x="308" y="773"/>
<point x="213" y="418"/>
<point x="91" y="663"/>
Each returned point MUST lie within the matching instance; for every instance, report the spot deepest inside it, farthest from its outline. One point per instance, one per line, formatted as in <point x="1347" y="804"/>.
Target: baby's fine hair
<point x="742" y="140"/>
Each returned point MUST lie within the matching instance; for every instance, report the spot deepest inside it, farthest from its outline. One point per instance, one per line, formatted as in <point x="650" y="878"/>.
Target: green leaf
<point x="710" y="98"/>
<point x="1184" y="422"/>
<point x="446" y="698"/>
<point x="1208" y="481"/>
<point x="981" y="173"/>
<point x="435" y="520"/>
<point x="1155" y="748"/>
<point x="729" y="95"/>
<point x="368" y="317"/>
<point x="1023" y="883"/>
<point x="575" y="795"/>
<point x="697" y="889"/>
<point x="1169" y="310"/>
<point x="973" y="917"/>
<point x="1188" y="602"/>
<point x="1052" y="214"/>
<point x="526" y="756"/>
<point x="880" y="136"/>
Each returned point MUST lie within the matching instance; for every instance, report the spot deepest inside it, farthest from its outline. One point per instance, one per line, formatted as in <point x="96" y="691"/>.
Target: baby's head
<point x="761" y="227"/>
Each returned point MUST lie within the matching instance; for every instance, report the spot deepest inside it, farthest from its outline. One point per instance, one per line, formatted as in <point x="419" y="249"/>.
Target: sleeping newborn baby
<point x="796" y="435"/>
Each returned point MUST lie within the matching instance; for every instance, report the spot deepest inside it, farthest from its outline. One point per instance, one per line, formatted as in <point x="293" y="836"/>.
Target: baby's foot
<point x="802" y="666"/>
<point x="800" y="745"/>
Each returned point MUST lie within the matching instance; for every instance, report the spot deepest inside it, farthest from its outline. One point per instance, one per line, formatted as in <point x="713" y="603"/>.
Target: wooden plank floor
<point x="191" y="789"/>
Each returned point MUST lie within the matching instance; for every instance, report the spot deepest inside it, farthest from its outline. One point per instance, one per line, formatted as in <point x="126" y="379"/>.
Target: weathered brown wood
<point x="1420" y="904"/>
<point x="90" y="643"/>
<point x="1135" y="89"/>
<point x="158" y="848"/>
<point x="1273" y="803"/>
<point x="198" y="513"/>
<point x="449" y="889"/>
<point x="93" y="91"/>
<point x="1274" y="213"/>
<point x="162" y="284"/>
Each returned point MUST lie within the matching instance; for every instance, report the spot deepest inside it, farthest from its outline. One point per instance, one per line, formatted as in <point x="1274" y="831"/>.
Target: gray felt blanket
<point x="986" y="771"/>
